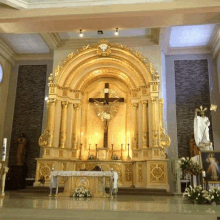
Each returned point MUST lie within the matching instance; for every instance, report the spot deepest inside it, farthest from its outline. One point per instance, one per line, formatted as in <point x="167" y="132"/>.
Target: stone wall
<point x="192" y="90"/>
<point x="28" y="113"/>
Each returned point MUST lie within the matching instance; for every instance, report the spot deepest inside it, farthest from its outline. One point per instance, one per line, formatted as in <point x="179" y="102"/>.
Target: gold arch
<point x="107" y="73"/>
<point x="68" y="72"/>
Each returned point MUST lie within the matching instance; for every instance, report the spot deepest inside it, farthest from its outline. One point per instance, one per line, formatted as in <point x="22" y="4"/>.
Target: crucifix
<point x="106" y="101"/>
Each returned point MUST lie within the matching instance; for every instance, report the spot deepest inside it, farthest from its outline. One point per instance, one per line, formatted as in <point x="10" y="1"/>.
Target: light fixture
<point x="116" y="32"/>
<point x="46" y="98"/>
<point x="81" y="33"/>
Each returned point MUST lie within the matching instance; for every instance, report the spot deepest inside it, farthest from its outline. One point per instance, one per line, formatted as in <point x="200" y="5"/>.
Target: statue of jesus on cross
<point x="106" y="109"/>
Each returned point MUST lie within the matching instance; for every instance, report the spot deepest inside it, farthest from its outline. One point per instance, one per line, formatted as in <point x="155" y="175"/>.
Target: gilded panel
<point x="157" y="173"/>
<point x="140" y="172"/>
<point x="128" y="172"/>
<point x="45" y="169"/>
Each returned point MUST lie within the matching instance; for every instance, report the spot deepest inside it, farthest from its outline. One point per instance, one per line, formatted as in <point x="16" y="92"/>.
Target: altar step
<point x="142" y="191"/>
<point x="121" y="191"/>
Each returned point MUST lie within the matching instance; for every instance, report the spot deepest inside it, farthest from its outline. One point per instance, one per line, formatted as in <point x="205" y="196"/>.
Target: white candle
<point x="112" y="140"/>
<point x="81" y="138"/>
<point x="203" y="174"/>
<point x="4" y="149"/>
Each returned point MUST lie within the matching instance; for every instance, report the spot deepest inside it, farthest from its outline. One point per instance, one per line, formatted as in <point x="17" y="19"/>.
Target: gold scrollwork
<point x="128" y="172"/>
<point x="157" y="172"/>
<point x="43" y="140"/>
<point x="140" y="172"/>
<point x="45" y="169"/>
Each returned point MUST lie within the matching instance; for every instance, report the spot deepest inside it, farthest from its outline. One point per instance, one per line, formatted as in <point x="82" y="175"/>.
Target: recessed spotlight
<point x="81" y="33"/>
<point x="100" y="32"/>
<point x="116" y="32"/>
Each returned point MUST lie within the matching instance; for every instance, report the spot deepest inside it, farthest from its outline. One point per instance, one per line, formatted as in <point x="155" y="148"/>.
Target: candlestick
<point x="96" y="146"/>
<point x="89" y="148"/>
<point x="80" y="151"/>
<point x="112" y="151"/>
<point x="121" y="150"/>
<point x="4" y="149"/>
<point x="128" y="157"/>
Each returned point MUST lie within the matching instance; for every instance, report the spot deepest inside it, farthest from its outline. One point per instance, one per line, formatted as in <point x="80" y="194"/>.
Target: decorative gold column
<point x="155" y="125"/>
<point x="63" y="127"/>
<point x="135" y="138"/>
<point x="74" y="135"/>
<point x="145" y="127"/>
<point x="50" y="120"/>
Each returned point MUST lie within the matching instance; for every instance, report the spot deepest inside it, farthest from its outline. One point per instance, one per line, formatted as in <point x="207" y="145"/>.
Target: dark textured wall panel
<point x="28" y="113"/>
<point x="192" y="90"/>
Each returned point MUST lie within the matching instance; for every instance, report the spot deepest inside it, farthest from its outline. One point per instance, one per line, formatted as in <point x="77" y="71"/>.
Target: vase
<point x="213" y="203"/>
<point x="196" y="202"/>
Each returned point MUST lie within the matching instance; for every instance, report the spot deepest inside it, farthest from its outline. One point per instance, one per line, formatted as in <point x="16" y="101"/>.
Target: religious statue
<point x="201" y="130"/>
<point x="194" y="150"/>
<point x="214" y="168"/>
<point x="22" y="142"/>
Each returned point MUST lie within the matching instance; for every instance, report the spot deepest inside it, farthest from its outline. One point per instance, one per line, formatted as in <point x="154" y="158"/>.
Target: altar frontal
<point x="104" y="110"/>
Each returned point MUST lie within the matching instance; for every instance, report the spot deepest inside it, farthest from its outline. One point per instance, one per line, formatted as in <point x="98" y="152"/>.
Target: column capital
<point x="64" y="103"/>
<point x="144" y="102"/>
<point x="135" y="105"/>
<point x="52" y="101"/>
<point x="76" y="105"/>
<point x="153" y="99"/>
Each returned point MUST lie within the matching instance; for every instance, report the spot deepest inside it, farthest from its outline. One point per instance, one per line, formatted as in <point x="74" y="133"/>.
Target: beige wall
<point x="6" y="66"/>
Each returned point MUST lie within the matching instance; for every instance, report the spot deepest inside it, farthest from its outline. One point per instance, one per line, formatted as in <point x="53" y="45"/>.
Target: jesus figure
<point x="214" y="167"/>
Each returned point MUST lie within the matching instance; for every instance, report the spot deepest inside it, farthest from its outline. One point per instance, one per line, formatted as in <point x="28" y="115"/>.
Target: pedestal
<point x="16" y="177"/>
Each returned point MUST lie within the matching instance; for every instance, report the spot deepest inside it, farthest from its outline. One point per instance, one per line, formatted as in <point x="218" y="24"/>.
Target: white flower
<point x="212" y="197"/>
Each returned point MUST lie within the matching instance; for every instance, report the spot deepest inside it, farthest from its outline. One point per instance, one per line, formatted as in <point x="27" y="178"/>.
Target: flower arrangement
<point x="188" y="166"/>
<point x="214" y="194"/>
<point x="184" y="163"/>
<point x="197" y="194"/>
<point x="81" y="192"/>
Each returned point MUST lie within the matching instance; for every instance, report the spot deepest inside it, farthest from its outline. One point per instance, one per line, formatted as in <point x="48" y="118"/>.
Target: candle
<point x="81" y="138"/>
<point x="4" y="149"/>
<point x="203" y="174"/>
<point x="122" y="138"/>
<point x="112" y="140"/>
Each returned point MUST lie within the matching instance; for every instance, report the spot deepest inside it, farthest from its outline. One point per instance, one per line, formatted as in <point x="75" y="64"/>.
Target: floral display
<point x="81" y="192"/>
<point x="198" y="195"/>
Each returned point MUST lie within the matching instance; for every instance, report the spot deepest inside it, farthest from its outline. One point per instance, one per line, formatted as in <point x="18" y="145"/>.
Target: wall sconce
<point x="81" y="33"/>
<point x="116" y="32"/>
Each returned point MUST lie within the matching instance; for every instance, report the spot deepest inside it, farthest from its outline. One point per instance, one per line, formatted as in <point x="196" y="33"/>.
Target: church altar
<point x="92" y="180"/>
<point x="104" y="109"/>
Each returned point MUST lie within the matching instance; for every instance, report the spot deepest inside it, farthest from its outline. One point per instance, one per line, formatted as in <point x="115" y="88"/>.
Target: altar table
<point x="87" y="179"/>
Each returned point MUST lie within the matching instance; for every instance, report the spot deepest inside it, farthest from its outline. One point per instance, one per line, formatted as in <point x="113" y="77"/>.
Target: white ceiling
<point x="180" y="37"/>
<point x="26" y="43"/>
<point x="107" y="33"/>
<point x="190" y="36"/>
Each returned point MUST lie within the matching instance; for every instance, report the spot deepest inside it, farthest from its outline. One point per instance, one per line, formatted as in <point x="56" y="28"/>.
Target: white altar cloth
<point x="54" y="177"/>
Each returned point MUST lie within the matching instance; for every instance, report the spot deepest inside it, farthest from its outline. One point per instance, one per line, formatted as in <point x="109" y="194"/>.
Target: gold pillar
<point x="145" y="127"/>
<point x="50" y="120"/>
<point x="75" y="119"/>
<point x="135" y="138"/>
<point x="63" y="127"/>
<point x="155" y="125"/>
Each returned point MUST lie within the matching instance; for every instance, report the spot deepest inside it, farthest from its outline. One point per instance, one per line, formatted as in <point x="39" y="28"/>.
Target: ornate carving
<point x="164" y="139"/>
<point x="47" y="152"/>
<point x="145" y="153"/>
<point x="82" y="182"/>
<point x="45" y="169"/>
<point x="60" y="153"/>
<point x="135" y="105"/>
<point x="64" y="166"/>
<point x="156" y="153"/>
<point x="128" y="172"/>
<point x="76" y="95"/>
<point x="103" y="48"/>
<point x="103" y="51"/>
<point x="157" y="172"/>
<point x="73" y="154"/>
<point x="135" y="154"/>
<point x="140" y="172"/>
<point x="44" y="138"/>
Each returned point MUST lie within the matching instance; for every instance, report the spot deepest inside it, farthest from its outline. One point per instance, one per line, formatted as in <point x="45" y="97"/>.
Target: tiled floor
<point x="39" y="206"/>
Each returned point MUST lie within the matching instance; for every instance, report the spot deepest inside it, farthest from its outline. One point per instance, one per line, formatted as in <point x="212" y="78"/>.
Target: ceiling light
<point x="116" y="32"/>
<point x="81" y="33"/>
<point x="100" y="32"/>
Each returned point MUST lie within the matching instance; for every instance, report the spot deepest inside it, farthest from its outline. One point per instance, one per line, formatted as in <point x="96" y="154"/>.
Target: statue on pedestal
<point x="22" y="142"/>
<point x="201" y="130"/>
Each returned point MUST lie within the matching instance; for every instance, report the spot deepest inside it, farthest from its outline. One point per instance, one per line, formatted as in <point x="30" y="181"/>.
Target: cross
<point x="106" y="101"/>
